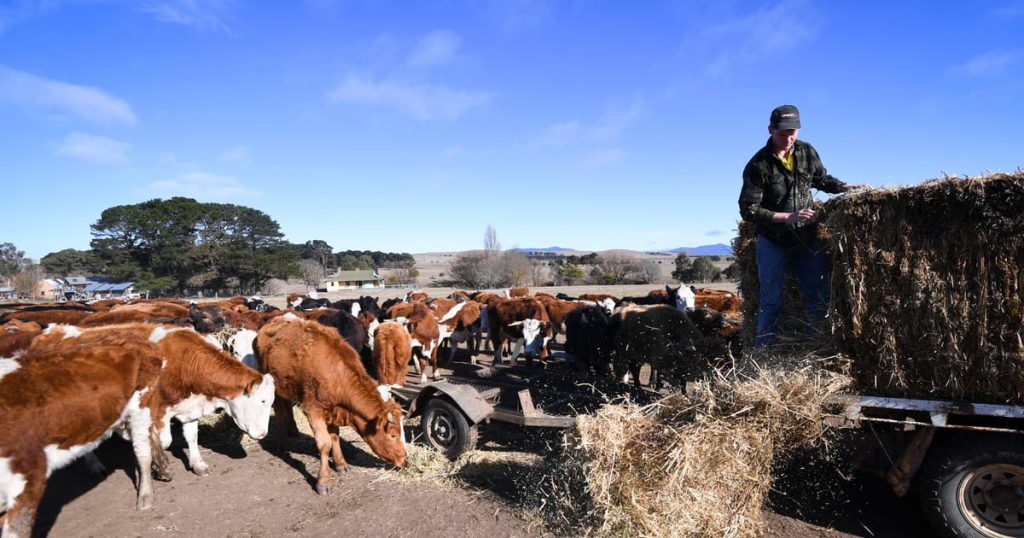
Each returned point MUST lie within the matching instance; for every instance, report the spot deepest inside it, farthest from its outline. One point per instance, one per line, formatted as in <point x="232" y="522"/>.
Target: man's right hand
<point x="798" y="217"/>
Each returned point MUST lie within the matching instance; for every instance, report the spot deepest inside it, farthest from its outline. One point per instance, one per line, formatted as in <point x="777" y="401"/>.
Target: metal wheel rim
<point x="442" y="429"/>
<point x="991" y="498"/>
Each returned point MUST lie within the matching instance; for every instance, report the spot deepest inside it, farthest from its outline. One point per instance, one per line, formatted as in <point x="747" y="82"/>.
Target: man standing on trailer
<point x="777" y="198"/>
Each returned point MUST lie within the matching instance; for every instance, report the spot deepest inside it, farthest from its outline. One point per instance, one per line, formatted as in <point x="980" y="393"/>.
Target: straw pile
<point x="928" y="287"/>
<point x="681" y="466"/>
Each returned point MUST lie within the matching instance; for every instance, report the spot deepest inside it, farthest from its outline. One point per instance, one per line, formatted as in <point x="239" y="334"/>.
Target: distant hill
<point x="547" y="249"/>
<point x="718" y="249"/>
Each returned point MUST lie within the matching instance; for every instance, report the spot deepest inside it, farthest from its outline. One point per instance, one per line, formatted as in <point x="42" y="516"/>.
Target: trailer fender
<point x="465" y="397"/>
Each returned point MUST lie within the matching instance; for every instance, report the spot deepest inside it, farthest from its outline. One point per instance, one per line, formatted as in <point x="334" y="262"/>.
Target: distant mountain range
<point x="718" y="249"/>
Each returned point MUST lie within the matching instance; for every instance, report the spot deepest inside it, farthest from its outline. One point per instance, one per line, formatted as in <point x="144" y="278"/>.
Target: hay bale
<point x="684" y="467"/>
<point x="928" y="287"/>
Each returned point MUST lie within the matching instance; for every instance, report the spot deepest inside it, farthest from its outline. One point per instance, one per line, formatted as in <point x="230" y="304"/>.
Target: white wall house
<point x="351" y="280"/>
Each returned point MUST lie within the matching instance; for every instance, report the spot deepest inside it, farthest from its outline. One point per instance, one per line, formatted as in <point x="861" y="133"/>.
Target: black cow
<point x="660" y="335"/>
<point x="311" y="304"/>
<point x="387" y="306"/>
<point x="589" y="338"/>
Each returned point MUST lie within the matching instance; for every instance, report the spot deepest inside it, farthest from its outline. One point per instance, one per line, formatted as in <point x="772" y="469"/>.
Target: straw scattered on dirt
<point x="685" y="466"/>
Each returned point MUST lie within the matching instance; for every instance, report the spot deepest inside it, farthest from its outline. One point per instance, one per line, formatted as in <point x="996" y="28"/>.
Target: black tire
<point x="973" y="486"/>
<point x="447" y="429"/>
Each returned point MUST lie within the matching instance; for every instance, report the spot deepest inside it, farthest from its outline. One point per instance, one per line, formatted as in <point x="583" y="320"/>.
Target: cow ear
<point x="251" y="387"/>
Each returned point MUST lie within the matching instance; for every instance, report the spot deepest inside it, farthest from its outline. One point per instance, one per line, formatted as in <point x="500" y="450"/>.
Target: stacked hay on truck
<point x="928" y="288"/>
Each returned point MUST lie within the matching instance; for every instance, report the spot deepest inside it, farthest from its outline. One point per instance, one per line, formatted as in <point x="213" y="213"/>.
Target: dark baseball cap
<point x="785" y="117"/>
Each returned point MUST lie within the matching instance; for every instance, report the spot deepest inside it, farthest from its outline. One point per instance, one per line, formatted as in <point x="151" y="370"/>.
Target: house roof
<point x="360" y="275"/>
<point x="101" y="287"/>
<point x="80" y="280"/>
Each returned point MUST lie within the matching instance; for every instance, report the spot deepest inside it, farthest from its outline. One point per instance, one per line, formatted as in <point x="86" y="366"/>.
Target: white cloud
<point x="771" y="30"/>
<point x="202" y="14"/>
<point x="97" y="149"/>
<point x="201" y="186"/>
<point x="713" y="233"/>
<point x="86" y="103"/>
<point x="987" y="64"/>
<point x="435" y="49"/>
<point x="235" y="154"/>
<point x="607" y="128"/>
<point x="420" y="101"/>
<point x="602" y="158"/>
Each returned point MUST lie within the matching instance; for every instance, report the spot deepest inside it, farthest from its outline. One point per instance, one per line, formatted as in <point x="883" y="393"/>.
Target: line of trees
<point x="183" y="246"/>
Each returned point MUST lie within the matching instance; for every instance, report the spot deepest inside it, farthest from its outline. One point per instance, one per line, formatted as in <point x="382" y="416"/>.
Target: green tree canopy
<point x="175" y="244"/>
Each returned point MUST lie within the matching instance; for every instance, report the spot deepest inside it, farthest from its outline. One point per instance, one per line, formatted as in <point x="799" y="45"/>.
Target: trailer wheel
<point x="447" y="429"/>
<point x="973" y="486"/>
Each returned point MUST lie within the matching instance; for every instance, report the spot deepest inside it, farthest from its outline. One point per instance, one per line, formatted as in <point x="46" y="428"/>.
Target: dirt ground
<point x="255" y="491"/>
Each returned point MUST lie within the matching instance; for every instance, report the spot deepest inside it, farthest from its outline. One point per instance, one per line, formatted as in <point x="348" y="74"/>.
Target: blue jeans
<point x="809" y="267"/>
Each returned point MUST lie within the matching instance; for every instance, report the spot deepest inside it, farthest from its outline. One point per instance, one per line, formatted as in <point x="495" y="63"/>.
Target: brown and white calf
<point x="59" y="403"/>
<point x="558" y="310"/>
<point x="392" y="348"/>
<point x="320" y="372"/>
<point x="426" y="336"/>
<point x="524" y="318"/>
<point x="461" y="323"/>
<point x="197" y="379"/>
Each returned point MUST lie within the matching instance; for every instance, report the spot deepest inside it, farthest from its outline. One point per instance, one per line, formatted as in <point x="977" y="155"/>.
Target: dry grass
<point x="685" y="466"/>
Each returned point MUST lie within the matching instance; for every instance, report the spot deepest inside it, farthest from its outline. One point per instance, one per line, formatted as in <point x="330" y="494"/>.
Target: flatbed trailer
<point x="452" y="409"/>
<point x="965" y="460"/>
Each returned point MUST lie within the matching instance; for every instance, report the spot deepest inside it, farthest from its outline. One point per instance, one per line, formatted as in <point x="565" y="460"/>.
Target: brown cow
<point x="59" y="403"/>
<point x="599" y="297"/>
<point x="197" y="379"/>
<point x="461" y="323"/>
<point x="46" y="316"/>
<point x="318" y="370"/>
<point x="392" y="348"/>
<point x="426" y="335"/>
<point x="723" y="301"/>
<point x="524" y="318"/>
<point x="17" y="335"/>
<point x="514" y="293"/>
<point x="558" y="310"/>
<point x="441" y="306"/>
<point x="416" y="296"/>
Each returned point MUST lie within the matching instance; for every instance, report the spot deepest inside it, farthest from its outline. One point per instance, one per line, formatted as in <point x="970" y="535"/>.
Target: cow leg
<point x="634" y="370"/>
<point x="139" y="425"/>
<point x="161" y="462"/>
<point x="339" y="459"/>
<point x="22" y="512"/>
<point x="318" y="423"/>
<point x="190" y="430"/>
<point x="282" y="414"/>
<point x="433" y="360"/>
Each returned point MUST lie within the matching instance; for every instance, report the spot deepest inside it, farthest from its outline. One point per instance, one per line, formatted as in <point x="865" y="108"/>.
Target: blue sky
<point x="411" y="126"/>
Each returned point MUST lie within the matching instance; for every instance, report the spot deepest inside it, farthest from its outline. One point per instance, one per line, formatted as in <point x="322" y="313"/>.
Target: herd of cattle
<point x="72" y="374"/>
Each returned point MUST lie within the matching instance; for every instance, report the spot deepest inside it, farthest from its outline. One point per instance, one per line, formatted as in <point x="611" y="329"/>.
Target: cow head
<point x="385" y="434"/>
<point x="207" y="319"/>
<point x="608" y="304"/>
<point x="534" y="337"/>
<point x="251" y="409"/>
<point x="684" y="297"/>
